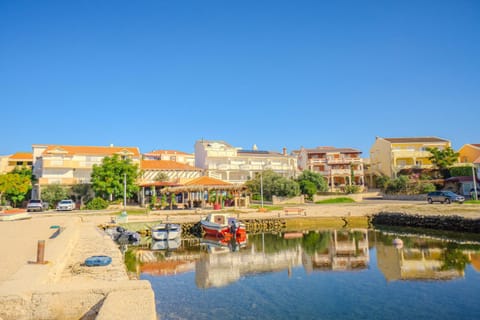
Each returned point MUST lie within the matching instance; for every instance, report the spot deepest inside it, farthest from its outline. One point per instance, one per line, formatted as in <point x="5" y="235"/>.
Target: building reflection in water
<point x="218" y="263"/>
<point x="421" y="258"/>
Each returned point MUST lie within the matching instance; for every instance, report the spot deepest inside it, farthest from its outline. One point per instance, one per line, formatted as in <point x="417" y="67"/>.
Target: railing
<point x="410" y="154"/>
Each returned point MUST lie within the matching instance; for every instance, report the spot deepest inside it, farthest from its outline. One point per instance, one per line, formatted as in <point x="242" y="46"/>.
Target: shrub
<point x="352" y="189"/>
<point x="97" y="204"/>
<point x="460" y="171"/>
<point x="427" y="187"/>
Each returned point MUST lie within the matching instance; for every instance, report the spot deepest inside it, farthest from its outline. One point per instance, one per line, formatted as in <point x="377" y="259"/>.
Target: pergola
<point x="194" y="190"/>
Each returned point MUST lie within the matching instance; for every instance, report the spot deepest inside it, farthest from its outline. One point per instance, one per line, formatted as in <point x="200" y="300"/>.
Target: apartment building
<point x="390" y="155"/>
<point x="222" y="161"/>
<point x="70" y="165"/>
<point x="340" y="166"/>
<point x="171" y="155"/>
<point x="19" y="159"/>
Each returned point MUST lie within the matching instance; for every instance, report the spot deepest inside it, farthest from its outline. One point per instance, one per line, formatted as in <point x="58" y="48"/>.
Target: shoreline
<point x="29" y="290"/>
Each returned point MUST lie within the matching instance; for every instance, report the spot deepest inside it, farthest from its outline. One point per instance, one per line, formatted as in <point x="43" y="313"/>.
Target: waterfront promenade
<point x="63" y="288"/>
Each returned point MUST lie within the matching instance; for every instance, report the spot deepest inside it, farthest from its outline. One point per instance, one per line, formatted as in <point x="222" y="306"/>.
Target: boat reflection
<point x="172" y="244"/>
<point x="226" y="244"/>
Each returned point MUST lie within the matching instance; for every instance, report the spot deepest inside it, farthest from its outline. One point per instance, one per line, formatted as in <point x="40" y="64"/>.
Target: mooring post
<point x="41" y="252"/>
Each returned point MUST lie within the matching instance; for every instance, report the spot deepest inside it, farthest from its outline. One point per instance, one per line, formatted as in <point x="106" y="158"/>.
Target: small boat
<point x="123" y="236"/>
<point x="166" y="231"/>
<point x="221" y="225"/>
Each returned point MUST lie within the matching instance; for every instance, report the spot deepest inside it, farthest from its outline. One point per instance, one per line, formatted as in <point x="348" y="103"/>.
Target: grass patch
<point x="336" y="200"/>
<point x="268" y="208"/>
<point x="472" y="202"/>
<point x="325" y="223"/>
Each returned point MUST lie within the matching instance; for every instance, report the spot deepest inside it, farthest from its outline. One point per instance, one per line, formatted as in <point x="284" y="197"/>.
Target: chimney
<point x="284" y="151"/>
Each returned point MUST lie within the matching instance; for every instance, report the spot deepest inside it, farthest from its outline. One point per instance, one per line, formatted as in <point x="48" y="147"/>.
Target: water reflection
<point x="421" y="258"/>
<point x="218" y="263"/>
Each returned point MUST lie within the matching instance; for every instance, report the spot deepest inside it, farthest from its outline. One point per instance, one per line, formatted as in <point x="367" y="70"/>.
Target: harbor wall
<point x="438" y="222"/>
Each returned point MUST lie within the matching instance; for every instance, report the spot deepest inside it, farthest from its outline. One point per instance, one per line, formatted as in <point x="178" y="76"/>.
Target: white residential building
<point x="222" y="161"/>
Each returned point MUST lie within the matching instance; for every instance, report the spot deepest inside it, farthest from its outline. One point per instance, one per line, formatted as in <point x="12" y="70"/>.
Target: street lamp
<point x="124" y="216"/>
<point x="261" y="188"/>
<point x="475" y="196"/>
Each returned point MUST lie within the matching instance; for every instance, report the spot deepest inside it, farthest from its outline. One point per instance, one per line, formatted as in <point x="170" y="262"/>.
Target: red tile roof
<point x="94" y="151"/>
<point x="415" y="140"/>
<point x="207" y="181"/>
<point x="22" y="156"/>
<point x="166" y="165"/>
<point x="168" y="152"/>
<point x="332" y="149"/>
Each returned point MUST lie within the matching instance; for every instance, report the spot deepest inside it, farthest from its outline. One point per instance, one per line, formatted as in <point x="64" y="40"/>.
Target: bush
<point x="460" y="171"/>
<point x="97" y="204"/>
<point x="352" y="189"/>
<point x="427" y="187"/>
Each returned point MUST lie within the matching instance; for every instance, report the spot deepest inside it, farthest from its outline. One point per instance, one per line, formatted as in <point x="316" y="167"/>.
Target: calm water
<point x="336" y="274"/>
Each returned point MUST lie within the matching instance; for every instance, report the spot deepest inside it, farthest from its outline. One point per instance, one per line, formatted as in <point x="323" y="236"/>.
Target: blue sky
<point x="163" y="74"/>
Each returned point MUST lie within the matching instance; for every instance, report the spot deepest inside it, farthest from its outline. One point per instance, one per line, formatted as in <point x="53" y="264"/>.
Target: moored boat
<point x="166" y="231"/>
<point x="221" y="225"/>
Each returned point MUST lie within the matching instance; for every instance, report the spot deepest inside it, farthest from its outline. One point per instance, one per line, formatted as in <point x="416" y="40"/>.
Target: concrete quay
<point x="62" y="287"/>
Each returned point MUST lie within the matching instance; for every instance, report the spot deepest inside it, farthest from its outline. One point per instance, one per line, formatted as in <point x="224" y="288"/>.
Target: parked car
<point x="444" y="197"/>
<point x="66" y="205"/>
<point x="35" y="205"/>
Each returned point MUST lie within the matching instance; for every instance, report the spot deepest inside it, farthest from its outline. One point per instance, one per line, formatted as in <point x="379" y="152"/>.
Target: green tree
<point x="308" y="188"/>
<point x="274" y="184"/>
<point x="82" y="192"/>
<point x="443" y="159"/>
<point x="15" y="187"/>
<point x="317" y="179"/>
<point x="53" y="193"/>
<point x="108" y="178"/>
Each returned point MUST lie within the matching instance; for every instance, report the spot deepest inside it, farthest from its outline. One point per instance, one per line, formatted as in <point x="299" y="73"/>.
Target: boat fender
<point x="96" y="261"/>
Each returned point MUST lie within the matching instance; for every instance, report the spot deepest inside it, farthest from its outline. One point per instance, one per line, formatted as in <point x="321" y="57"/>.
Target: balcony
<point x="60" y="164"/>
<point x="342" y="160"/>
<point x="410" y="153"/>
<point x="61" y="181"/>
<point x="413" y="166"/>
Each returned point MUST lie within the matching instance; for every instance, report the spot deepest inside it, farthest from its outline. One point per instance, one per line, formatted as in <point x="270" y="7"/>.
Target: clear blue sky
<point x="163" y="74"/>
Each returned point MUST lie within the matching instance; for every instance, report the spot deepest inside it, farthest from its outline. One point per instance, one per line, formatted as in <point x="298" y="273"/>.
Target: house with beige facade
<point x="18" y="159"/>
<point x="222" y="161"/>
<point x="390" y="155"/>
<point x="340" y="166"/>
<point x="70" y="165"/>
<point x="171" y="155"/>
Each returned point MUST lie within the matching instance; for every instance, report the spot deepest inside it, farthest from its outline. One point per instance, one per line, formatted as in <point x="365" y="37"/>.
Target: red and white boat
<point x="221" y="225"/>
